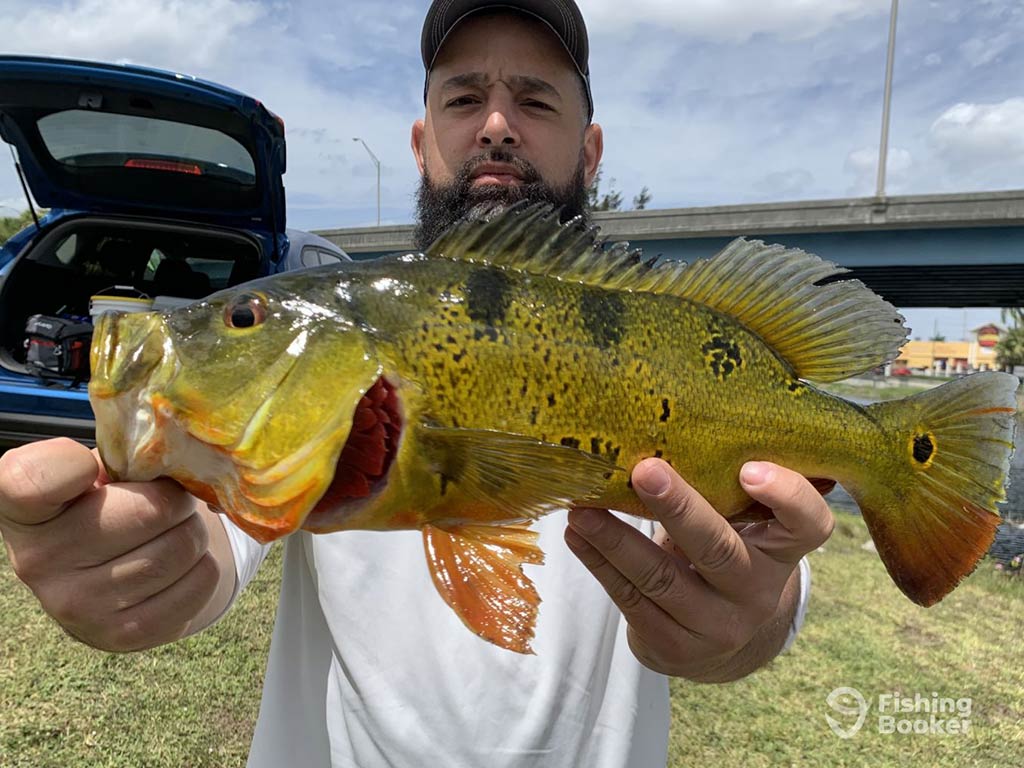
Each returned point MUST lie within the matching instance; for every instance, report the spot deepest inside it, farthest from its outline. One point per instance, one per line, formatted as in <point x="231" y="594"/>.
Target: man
<point x="367" y="665"/>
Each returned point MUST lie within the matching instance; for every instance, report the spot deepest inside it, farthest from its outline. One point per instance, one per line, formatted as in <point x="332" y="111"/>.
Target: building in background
<point x="949" y="357"/>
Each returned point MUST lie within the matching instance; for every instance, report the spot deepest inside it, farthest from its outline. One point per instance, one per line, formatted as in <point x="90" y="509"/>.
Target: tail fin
<point x="938" y="517"/>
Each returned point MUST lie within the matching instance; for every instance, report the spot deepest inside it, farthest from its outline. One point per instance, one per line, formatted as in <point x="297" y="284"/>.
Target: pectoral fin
<point x="478" y="569"/>
<point x="499" y="476"/>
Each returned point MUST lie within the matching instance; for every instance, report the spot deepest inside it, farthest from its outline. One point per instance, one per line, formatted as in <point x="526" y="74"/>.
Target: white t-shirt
<point x="369" y="667"/>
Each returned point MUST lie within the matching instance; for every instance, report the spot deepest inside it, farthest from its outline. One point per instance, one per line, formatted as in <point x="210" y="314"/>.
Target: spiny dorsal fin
<point x="825" y="332"/>
<point x="530" y="238"/>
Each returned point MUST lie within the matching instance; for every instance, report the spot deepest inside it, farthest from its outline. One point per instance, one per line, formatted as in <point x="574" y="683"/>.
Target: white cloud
<point x="703" y="101"/>
<point x="862" y="164"/>
<point x="729" y="20"/>
<point x="175" y="34"/>
<point x="979" y="51"/>
<point x="12" y="206"/>
<point x="791" y="184"/>
<point x="982" y="141"/>
<point x="310" y="62"/>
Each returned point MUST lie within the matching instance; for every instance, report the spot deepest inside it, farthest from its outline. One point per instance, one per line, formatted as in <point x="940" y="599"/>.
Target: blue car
<point x="157" y="186"/>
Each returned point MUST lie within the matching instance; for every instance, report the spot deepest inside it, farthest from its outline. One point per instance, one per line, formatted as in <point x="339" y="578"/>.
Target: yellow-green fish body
<point x="514" y="370"/>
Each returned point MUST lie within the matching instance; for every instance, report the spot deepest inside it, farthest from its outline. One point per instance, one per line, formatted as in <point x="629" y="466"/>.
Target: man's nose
<point x="498" y="130"/>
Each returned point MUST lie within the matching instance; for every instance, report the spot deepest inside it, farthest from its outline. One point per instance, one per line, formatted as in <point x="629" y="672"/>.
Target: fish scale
<point x="513" y="370"/>
<point x="675" y="404"/>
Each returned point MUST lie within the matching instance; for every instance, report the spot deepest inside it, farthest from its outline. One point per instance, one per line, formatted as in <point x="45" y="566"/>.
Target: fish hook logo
<point x="847" y="701"/>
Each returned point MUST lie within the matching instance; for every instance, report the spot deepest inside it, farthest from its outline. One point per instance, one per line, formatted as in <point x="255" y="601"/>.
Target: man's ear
<point x="416" y="142"/>
<point x="593" y="149"/>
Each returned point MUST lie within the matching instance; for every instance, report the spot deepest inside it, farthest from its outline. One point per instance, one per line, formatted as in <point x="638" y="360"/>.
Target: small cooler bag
<point x="58" y="347"/>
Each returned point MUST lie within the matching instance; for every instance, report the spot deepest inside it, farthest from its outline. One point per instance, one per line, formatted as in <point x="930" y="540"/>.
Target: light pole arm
<point x="376" y="162"/>
<point x="370" y="151"/>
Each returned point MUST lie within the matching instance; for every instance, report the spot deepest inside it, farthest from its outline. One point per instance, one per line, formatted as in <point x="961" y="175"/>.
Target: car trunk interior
<point x="88" y="256"/>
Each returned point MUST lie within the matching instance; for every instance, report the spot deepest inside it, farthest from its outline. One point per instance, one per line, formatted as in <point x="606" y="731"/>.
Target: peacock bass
<point x="515" y="369"/>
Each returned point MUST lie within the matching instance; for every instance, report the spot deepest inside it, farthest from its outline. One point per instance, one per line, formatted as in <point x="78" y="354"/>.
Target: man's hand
<point x="703" y="600"/>
<point x="121" y="566"/>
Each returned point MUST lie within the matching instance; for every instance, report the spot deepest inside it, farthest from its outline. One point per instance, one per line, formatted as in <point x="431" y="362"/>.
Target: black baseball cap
<point x="562" y="17"/>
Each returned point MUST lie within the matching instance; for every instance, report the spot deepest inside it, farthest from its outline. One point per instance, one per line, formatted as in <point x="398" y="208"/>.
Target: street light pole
<point x="376" y="162"/>
<point x="883" y="150"/>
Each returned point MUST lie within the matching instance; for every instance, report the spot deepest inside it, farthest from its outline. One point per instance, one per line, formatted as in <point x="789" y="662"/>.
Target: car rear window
<point x="83" y="138"/>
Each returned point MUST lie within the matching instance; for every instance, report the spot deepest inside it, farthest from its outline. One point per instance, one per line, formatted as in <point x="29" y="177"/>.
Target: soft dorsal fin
<point x="825" y="332"/>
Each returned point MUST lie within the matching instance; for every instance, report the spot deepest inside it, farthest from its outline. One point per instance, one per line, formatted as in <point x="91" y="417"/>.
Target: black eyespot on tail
<point x="924" y="448"/>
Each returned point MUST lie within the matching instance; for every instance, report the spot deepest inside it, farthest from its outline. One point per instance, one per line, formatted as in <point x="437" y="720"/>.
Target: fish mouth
<point x="367" y="455"/>
<point x="126" y="349"/>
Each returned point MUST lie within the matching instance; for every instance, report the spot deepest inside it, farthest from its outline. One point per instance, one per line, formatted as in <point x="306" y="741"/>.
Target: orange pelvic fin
<point x="937" y="516"/>
<point x="478" y="569"/>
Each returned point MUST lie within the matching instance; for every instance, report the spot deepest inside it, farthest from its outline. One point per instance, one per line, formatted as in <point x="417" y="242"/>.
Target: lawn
<point x="194" y="704"/>
<point x="862" y="633"/>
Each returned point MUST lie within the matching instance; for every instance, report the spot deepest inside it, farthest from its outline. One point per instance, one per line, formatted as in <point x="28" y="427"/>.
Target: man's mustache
<point x="523" y="168"/>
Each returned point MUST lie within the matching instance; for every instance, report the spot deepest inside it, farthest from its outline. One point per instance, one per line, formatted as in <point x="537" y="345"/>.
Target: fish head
<point x="246" y="398"/>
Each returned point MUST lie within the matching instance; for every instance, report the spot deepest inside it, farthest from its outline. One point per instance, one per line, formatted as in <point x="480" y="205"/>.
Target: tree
<point x="937" y="337"/>
<point x="640" y="201"/>
<point x="593" y="191"/>
<point x="1010" y="347"/>
<point x="612" y="199"/>
<point x="12" y="224"/>
<point x="1012" y="316"/>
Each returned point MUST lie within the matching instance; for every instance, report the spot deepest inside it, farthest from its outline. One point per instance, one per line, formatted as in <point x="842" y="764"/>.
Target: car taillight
<point x="164" y="165"/>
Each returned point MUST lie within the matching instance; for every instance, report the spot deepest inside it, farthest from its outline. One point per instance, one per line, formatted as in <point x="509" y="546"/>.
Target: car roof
<point x="300" y="238"/>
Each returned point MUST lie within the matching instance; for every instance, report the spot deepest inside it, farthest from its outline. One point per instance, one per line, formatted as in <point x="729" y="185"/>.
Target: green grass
<point x="194" y="703"/>
<point x="191" y="704"/>
<point x="861" y="632"/>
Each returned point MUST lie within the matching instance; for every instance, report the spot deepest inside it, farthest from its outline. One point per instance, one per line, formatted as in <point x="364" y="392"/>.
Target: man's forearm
<point x="766" y="644"/>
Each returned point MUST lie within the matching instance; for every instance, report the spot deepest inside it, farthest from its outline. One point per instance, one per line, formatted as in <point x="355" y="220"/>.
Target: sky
<point x="705" y="102"/>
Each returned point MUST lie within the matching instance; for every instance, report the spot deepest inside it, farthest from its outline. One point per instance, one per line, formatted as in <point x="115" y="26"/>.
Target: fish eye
<point x="246" y="311"/>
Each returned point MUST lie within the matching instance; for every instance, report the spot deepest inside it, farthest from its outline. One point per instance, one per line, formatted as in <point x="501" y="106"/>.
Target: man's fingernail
<point x="585" y="520"/>
<point x="653" y="479"/>
<point x="756" y="473"/>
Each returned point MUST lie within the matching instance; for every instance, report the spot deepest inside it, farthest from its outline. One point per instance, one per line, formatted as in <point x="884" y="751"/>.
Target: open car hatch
<point x="119" y="139"/>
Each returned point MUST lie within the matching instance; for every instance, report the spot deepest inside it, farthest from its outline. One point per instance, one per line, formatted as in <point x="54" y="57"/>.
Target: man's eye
<point x="534" y="104"/>
<point x="462" y="101"/>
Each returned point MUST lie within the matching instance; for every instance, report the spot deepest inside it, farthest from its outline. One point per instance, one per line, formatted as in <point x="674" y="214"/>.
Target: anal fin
<point x="478" y="569"/>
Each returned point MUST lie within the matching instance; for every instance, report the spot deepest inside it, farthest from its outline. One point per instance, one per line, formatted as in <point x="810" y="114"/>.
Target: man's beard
<point x="439" y="207"/>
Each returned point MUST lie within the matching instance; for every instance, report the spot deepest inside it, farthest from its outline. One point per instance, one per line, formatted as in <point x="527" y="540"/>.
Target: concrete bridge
<point x="917" y="251"/>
